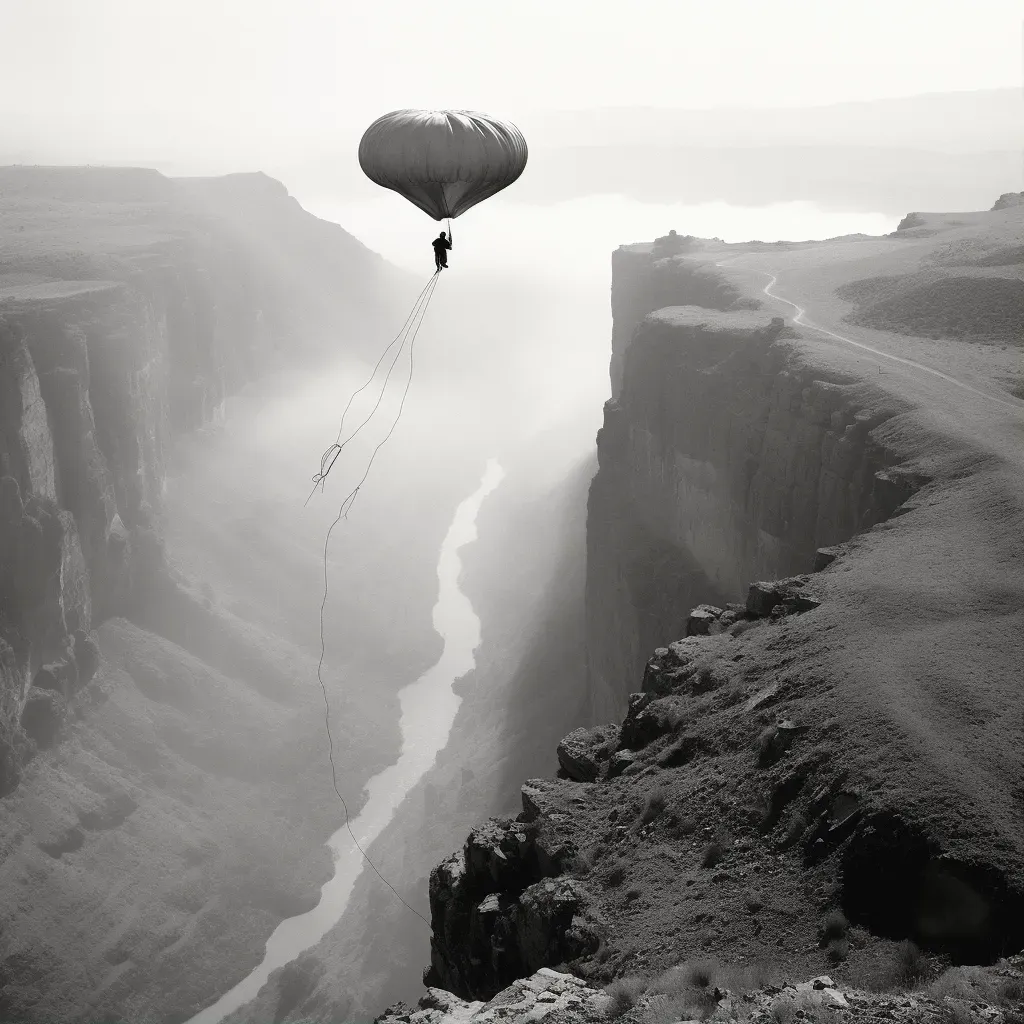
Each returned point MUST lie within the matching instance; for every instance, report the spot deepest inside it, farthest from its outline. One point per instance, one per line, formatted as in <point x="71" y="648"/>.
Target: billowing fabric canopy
<point x="443" y="161"/>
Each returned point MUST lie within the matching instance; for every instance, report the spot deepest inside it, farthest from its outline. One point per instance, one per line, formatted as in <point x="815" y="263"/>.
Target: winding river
<point x="428" y="712"/>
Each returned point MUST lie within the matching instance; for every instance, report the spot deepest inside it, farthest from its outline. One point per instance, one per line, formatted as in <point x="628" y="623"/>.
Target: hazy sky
<point x="256" y="75"/>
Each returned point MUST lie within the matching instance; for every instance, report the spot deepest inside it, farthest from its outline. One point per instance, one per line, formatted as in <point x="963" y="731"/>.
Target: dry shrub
<point x="680" y="753"/>
<point x="834" y="926"/>
<point x="690" y="991"/>
<point x="834" y="929"/>
<point x="712" y="855"/>
<point x="837" y="950"/>
<point x="655" y="803"/>
<point x="969" y="983"/>
<point x="742" y="980"/>
<point x="1010" y="991"/>
<point x="616" y="873"/>
<point x="685" y="826"/>
<point x="783" y="1011"/>
<point x="671" y="982"/>
<point x="806" y="1007"/>
<point x="795" y="828"/>
<point x="974" y="984"/>
<point x="701" y="975"/>
<point x="765" y="744"/>
<point x="683" y="992"/>
<point x="954" y="1013"/>
<point x="624" y="994"/>
<point x="663" y="1010"/>
<point x="580" y="865"/>
<point x="912" y="966"/>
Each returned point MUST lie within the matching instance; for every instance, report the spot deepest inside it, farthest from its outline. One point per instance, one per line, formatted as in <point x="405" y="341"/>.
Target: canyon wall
<point x="131" y="305"/>
<point x="723" y="458"/>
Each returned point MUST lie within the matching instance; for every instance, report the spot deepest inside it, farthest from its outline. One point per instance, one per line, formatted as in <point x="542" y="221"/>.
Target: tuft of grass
<point x="685" y="826"/>
<point x="580" y="865"/>
<point x="805" y="1007"/>
<point x="686" y="991"/>
<point x="663" y="1010"/>
<point x="954" y="1013"/>
<point x="782" y="1011"/>
<point x="743" y="980"/>
<point x="712" y="855"/>
<point x="624" y="995"/>
<point x="616" y="873"/>
<point x="701" y="974"/>
<point x="912" y="966"/>
<point x="834" y="926"/>
<point x="656" y="802"/>
<point x="680" y="753"/>
<point x="837" y="949"/>
<point x="795" y="828"/>
<point x="671" y="982"/>
<point x="690" y="991"/>
<point x="973" y="984"/>
<point x="1011" y="991"/>
<point x="765" y="744"/>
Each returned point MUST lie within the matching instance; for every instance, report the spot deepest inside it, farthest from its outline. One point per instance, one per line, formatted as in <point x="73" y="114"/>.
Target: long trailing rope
<point x="331" y="455"/>
<point x="343" y="511"/>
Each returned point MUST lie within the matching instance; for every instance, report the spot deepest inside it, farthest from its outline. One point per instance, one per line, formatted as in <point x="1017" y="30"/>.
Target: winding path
<point x="800" y="317"/>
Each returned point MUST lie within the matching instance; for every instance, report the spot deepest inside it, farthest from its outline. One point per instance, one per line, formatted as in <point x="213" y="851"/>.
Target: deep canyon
<point x="762" y="618"/>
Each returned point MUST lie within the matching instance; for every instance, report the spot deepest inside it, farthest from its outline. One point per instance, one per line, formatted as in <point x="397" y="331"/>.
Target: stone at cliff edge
<point x="582" y="753"/>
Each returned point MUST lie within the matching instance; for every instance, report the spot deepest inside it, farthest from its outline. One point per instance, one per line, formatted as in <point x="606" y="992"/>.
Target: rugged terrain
<point x="707" y="991"/>
<point x="159" y="812"/>
<point x="805" y="591"/>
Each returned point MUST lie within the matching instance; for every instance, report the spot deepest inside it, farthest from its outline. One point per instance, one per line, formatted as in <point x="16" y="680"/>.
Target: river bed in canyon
<point x="428" y="710"/>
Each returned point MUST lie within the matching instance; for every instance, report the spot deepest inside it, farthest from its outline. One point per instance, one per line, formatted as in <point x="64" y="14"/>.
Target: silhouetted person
<point x="441" y="246"/>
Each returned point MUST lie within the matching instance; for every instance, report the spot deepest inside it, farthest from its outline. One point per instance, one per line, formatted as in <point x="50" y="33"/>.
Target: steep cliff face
<point x="724" y="458"/>
<point x="648" y="277"/>
<point x="130" y="306"/>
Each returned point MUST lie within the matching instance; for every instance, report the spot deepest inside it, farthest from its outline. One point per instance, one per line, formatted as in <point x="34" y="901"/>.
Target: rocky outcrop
<point x="1008" y="199"/>
<point x="119" y="329"/>
<point x="648" y="276"/>
<point x="582" y="753"/>
<point x="546" y="994"/>
<point x="501" y="908"/>
<point x="723" y="458"/>
<point x="727" y="794"/>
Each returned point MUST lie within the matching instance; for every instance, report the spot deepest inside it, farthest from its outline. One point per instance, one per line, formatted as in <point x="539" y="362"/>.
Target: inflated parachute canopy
<point x="443" y="161"/>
